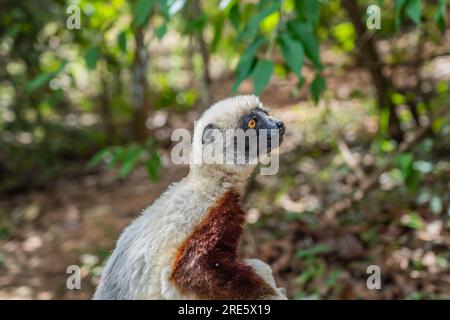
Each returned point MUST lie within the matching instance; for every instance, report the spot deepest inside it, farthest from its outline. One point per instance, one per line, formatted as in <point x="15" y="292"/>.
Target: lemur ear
<point x="208" y="136"/>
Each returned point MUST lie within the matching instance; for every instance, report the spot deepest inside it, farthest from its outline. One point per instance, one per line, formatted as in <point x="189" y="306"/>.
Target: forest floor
<point x="77" y="219"/>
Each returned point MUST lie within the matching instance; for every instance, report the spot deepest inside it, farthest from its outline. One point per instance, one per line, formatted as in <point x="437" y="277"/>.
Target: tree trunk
<point x="370" y="58"/>
<point x="205" y="80"/>
<point x="140" y="86"/>
<point x="105" y="111"/>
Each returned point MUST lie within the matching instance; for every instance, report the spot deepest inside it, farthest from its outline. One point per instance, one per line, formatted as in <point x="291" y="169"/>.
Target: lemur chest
<point x="217" y="233"/>
<point x="206" y="265"/>
<point x="211" y="248"/>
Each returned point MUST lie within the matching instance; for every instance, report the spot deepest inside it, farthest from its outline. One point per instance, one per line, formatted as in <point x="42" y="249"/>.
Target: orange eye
<point x="251" y="123"/>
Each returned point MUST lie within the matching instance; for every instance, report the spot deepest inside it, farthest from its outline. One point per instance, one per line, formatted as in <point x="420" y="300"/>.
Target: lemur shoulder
<point x="184" y="245"/>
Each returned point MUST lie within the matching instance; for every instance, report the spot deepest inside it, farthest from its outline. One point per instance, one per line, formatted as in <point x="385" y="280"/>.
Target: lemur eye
<point x="251" y="123"/>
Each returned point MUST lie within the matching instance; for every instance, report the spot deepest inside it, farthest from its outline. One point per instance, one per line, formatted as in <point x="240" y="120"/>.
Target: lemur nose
<point x="281" y="127"/>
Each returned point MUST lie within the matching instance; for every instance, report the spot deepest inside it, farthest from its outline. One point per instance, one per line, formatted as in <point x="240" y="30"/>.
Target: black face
<point x="258" y="120"/>
<point x="254" y="136"/>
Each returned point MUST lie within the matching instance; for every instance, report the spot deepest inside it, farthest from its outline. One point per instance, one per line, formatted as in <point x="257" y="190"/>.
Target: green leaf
<point x="398" y="98"/>
<point x="292" y="53"/>
<point x="252" y="26"/>
<point x="413" y="10"/>
<point x="399" y="4"/>
<point x="333" y="278"/>
<point x="387" y="145"/>
<point x="345" y="34"/>
<point x="292" y="216"/>
<point x="161" y="31"/>
<point x="247" y="62"/>
<point x="141" y="12"/>
<point x="98" y="157"/>
<point x="385" y="114"/>
<point x="261" y="75"/>
<point x="411" y="176"/>
<point x="218" y="27"/>
<point x="39" y="81"/>
<point x="130" y="160"/>
<point x="164" y="7"/>
<point x="440" y="15"/>
<point x="195" y="25"/>
<point x="317" y="249"/>
<point x="234" y="15"/>
<point x="44" y="78"/>
<point x="116" y="155"/>
<point x="305" y="34"/>
<point x="413" y="221"/>
<point x="308" y="10"/>
<point x="153" y="165"/>
<point x="405" y="162"/>
<point x="126" y="169"/>
<point x="243" y="70"/>
<point x="413" y="181"/>
<point x="317" y="87"/>
<point x="91" y="57"/>
<point x="122" y="41"/>
<point x="442" y="87"/>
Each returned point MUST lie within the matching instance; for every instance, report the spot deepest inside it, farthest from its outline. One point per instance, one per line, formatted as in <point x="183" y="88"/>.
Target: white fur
<point x="140" y="266"/>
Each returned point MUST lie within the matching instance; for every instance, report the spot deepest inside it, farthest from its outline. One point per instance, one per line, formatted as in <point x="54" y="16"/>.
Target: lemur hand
<point x="265" y="272"/>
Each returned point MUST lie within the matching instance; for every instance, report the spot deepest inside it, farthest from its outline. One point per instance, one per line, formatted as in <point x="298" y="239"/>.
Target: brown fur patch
<point x="206" y="263"/>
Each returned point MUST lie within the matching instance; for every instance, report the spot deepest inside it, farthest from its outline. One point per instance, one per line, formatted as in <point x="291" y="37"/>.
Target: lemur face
<point x="258" y="120"/>
<point x="254" y="134"/>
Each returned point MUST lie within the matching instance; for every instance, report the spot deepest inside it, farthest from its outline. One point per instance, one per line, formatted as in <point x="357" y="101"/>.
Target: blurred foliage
<point x="128" y="157"/>
<point x="70" y="97"/>
<point x="60" y="86"/>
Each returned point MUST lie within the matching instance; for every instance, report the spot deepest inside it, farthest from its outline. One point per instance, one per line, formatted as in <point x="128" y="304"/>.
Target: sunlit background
<point x="90" y="92"/>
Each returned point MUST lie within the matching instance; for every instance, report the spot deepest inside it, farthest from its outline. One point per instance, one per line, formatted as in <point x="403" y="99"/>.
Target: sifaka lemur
<point x="184" y="245"/>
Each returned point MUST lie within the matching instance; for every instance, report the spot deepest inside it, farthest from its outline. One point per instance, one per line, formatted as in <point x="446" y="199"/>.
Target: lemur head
<point x="233" y="134"/>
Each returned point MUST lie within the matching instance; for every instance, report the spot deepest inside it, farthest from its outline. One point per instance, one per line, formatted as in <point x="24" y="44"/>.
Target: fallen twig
<point x="350" y="159"/>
